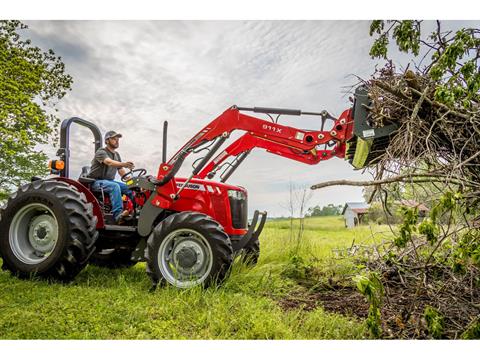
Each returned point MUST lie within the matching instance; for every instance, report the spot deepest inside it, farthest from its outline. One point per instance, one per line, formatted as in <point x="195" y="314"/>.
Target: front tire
<point x="48" y="229"/>
<point x="188" y="249"/>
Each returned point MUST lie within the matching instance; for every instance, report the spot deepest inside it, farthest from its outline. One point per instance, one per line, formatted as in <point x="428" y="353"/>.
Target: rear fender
<point x="97" y="211"/>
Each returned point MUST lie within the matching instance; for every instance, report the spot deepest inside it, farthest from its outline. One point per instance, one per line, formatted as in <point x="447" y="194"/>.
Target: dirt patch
<point x="346" y="301"/>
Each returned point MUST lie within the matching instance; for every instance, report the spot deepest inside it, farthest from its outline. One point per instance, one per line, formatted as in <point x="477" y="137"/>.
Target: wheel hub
<point x="43" y="233"/>
<point x="33" y="233"/>
<point x="186" y="257"/>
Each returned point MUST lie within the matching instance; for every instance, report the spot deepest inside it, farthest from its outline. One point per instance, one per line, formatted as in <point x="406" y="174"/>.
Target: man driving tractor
<point x="105" y="164"/>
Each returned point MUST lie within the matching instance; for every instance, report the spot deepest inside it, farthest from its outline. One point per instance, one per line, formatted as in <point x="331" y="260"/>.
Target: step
<point x="120" y="228"/>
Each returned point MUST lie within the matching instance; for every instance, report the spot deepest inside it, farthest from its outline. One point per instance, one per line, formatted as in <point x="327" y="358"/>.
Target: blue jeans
<point x="114" y="189"/>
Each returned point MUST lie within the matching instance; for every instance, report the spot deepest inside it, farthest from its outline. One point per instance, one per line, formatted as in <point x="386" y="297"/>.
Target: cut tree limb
<point x="414" y="178"/>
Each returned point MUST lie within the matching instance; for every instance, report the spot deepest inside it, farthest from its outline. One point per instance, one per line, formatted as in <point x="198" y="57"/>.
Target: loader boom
<point x="307" y="146"/>
<point x="303" y="140"/>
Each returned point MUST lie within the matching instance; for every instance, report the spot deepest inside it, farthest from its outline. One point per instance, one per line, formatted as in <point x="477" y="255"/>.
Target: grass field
<point x="116" y="304"/>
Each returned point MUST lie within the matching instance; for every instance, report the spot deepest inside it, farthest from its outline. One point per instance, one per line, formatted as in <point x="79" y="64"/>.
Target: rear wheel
<point x="47" y="229"/>
<point x="188" y="249"/>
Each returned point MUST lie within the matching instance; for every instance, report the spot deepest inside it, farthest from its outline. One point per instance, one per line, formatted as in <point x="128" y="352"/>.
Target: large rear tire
<point x="188" y="249"/>
<point x="47" y="229"/>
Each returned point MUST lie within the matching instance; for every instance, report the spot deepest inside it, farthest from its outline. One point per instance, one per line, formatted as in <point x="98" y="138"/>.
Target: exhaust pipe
<point x="164" y="145"/>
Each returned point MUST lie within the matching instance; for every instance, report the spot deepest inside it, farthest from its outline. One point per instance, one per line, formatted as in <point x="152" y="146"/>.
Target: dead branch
<point x="410" y="178"/>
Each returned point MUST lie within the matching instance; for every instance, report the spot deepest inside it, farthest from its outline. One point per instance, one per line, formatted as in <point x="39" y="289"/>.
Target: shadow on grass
<point x="242" y="278"/>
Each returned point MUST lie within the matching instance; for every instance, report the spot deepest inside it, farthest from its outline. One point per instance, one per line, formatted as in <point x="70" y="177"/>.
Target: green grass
<point x="116" y="304"/>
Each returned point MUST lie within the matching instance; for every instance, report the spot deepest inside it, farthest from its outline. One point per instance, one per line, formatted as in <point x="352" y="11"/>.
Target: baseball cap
<point x="111" y="134"/>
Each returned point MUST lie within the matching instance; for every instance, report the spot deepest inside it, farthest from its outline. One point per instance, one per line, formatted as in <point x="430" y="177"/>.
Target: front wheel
<point x="188" y="249"/>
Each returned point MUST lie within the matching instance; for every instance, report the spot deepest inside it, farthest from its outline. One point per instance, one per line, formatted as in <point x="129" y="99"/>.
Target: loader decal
<point x="198" y="187"/>
<point x="274" y="129"/>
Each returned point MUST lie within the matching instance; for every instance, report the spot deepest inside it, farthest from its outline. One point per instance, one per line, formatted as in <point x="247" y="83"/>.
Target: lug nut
<point x="321" y="136"/>
<point x="342" y="121"/>
<point x="333" y="133"/>
<point x="165" y="168"/>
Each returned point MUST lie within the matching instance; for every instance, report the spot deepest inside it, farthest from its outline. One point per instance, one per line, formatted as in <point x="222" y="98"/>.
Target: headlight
<point x="237" y="195"/>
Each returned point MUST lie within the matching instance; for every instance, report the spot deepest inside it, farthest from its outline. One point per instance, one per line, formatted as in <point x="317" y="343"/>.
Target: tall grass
<point x="116" y="304"/>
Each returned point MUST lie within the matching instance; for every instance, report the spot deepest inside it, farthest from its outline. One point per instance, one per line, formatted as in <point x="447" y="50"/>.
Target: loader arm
<point x="247" y="142"/>
<point x="294" y="143"/>
<point x="232" y="119"/>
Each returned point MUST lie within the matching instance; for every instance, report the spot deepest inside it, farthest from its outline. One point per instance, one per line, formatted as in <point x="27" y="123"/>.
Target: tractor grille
<point x="239" y="209"/>
<point x="219" y="208"/>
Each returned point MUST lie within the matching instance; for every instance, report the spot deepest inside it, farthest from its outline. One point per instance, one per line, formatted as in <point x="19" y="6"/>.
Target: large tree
<point x="32" y="81"/>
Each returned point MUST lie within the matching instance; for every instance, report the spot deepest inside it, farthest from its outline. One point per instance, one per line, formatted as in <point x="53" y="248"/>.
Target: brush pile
<point x="431" y="275"/>
<point x="432" y="300"/>
<point x="433" y="139"/>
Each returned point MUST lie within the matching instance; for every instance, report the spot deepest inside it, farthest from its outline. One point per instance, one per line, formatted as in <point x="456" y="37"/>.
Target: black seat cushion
<point x="83" y="179"/>
<point x="86" y="181"/>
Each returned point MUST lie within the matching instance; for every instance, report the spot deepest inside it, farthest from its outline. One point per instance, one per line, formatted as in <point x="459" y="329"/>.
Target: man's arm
<point x="118" y="164"/>
<point x="102" y="157"/>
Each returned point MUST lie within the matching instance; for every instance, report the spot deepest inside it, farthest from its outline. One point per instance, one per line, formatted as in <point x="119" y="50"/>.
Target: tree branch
<point x="419" y="178"/>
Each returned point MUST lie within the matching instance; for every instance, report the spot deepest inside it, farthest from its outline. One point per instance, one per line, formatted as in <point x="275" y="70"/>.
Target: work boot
<point x="122" y="217"/>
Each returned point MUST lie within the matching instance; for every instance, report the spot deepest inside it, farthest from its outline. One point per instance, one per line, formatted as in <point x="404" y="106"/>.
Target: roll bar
<point x="64" y="151"/>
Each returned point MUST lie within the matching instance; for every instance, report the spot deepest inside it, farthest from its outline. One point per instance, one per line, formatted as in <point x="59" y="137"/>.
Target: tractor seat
<point x="83" y="179"/>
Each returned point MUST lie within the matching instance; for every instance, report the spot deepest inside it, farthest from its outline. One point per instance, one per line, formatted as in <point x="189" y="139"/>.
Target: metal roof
<point x="355" y="206"/>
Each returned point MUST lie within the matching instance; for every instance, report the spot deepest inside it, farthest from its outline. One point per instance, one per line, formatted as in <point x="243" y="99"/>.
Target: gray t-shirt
<point x="99" y="170"/>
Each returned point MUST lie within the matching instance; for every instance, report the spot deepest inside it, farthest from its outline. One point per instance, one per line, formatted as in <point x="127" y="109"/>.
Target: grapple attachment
<point x="368" y="143"/>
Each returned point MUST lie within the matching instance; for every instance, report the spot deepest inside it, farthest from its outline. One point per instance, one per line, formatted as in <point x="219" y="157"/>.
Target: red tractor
<point x="188" y="230"/>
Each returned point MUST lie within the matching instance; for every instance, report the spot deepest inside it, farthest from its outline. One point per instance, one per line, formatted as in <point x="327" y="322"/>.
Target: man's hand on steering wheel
<point x="129" y="174"/>
<point x="129" y="165"/>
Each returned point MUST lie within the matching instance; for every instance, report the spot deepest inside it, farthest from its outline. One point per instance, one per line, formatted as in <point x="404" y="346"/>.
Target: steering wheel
<point x="140" y="171"/>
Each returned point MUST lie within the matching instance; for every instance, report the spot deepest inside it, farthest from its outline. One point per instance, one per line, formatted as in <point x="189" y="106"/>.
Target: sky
<point x="130" y="76"/>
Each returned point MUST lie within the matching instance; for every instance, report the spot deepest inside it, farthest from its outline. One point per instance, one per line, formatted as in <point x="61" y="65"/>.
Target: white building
<point x="353" y="213"/>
